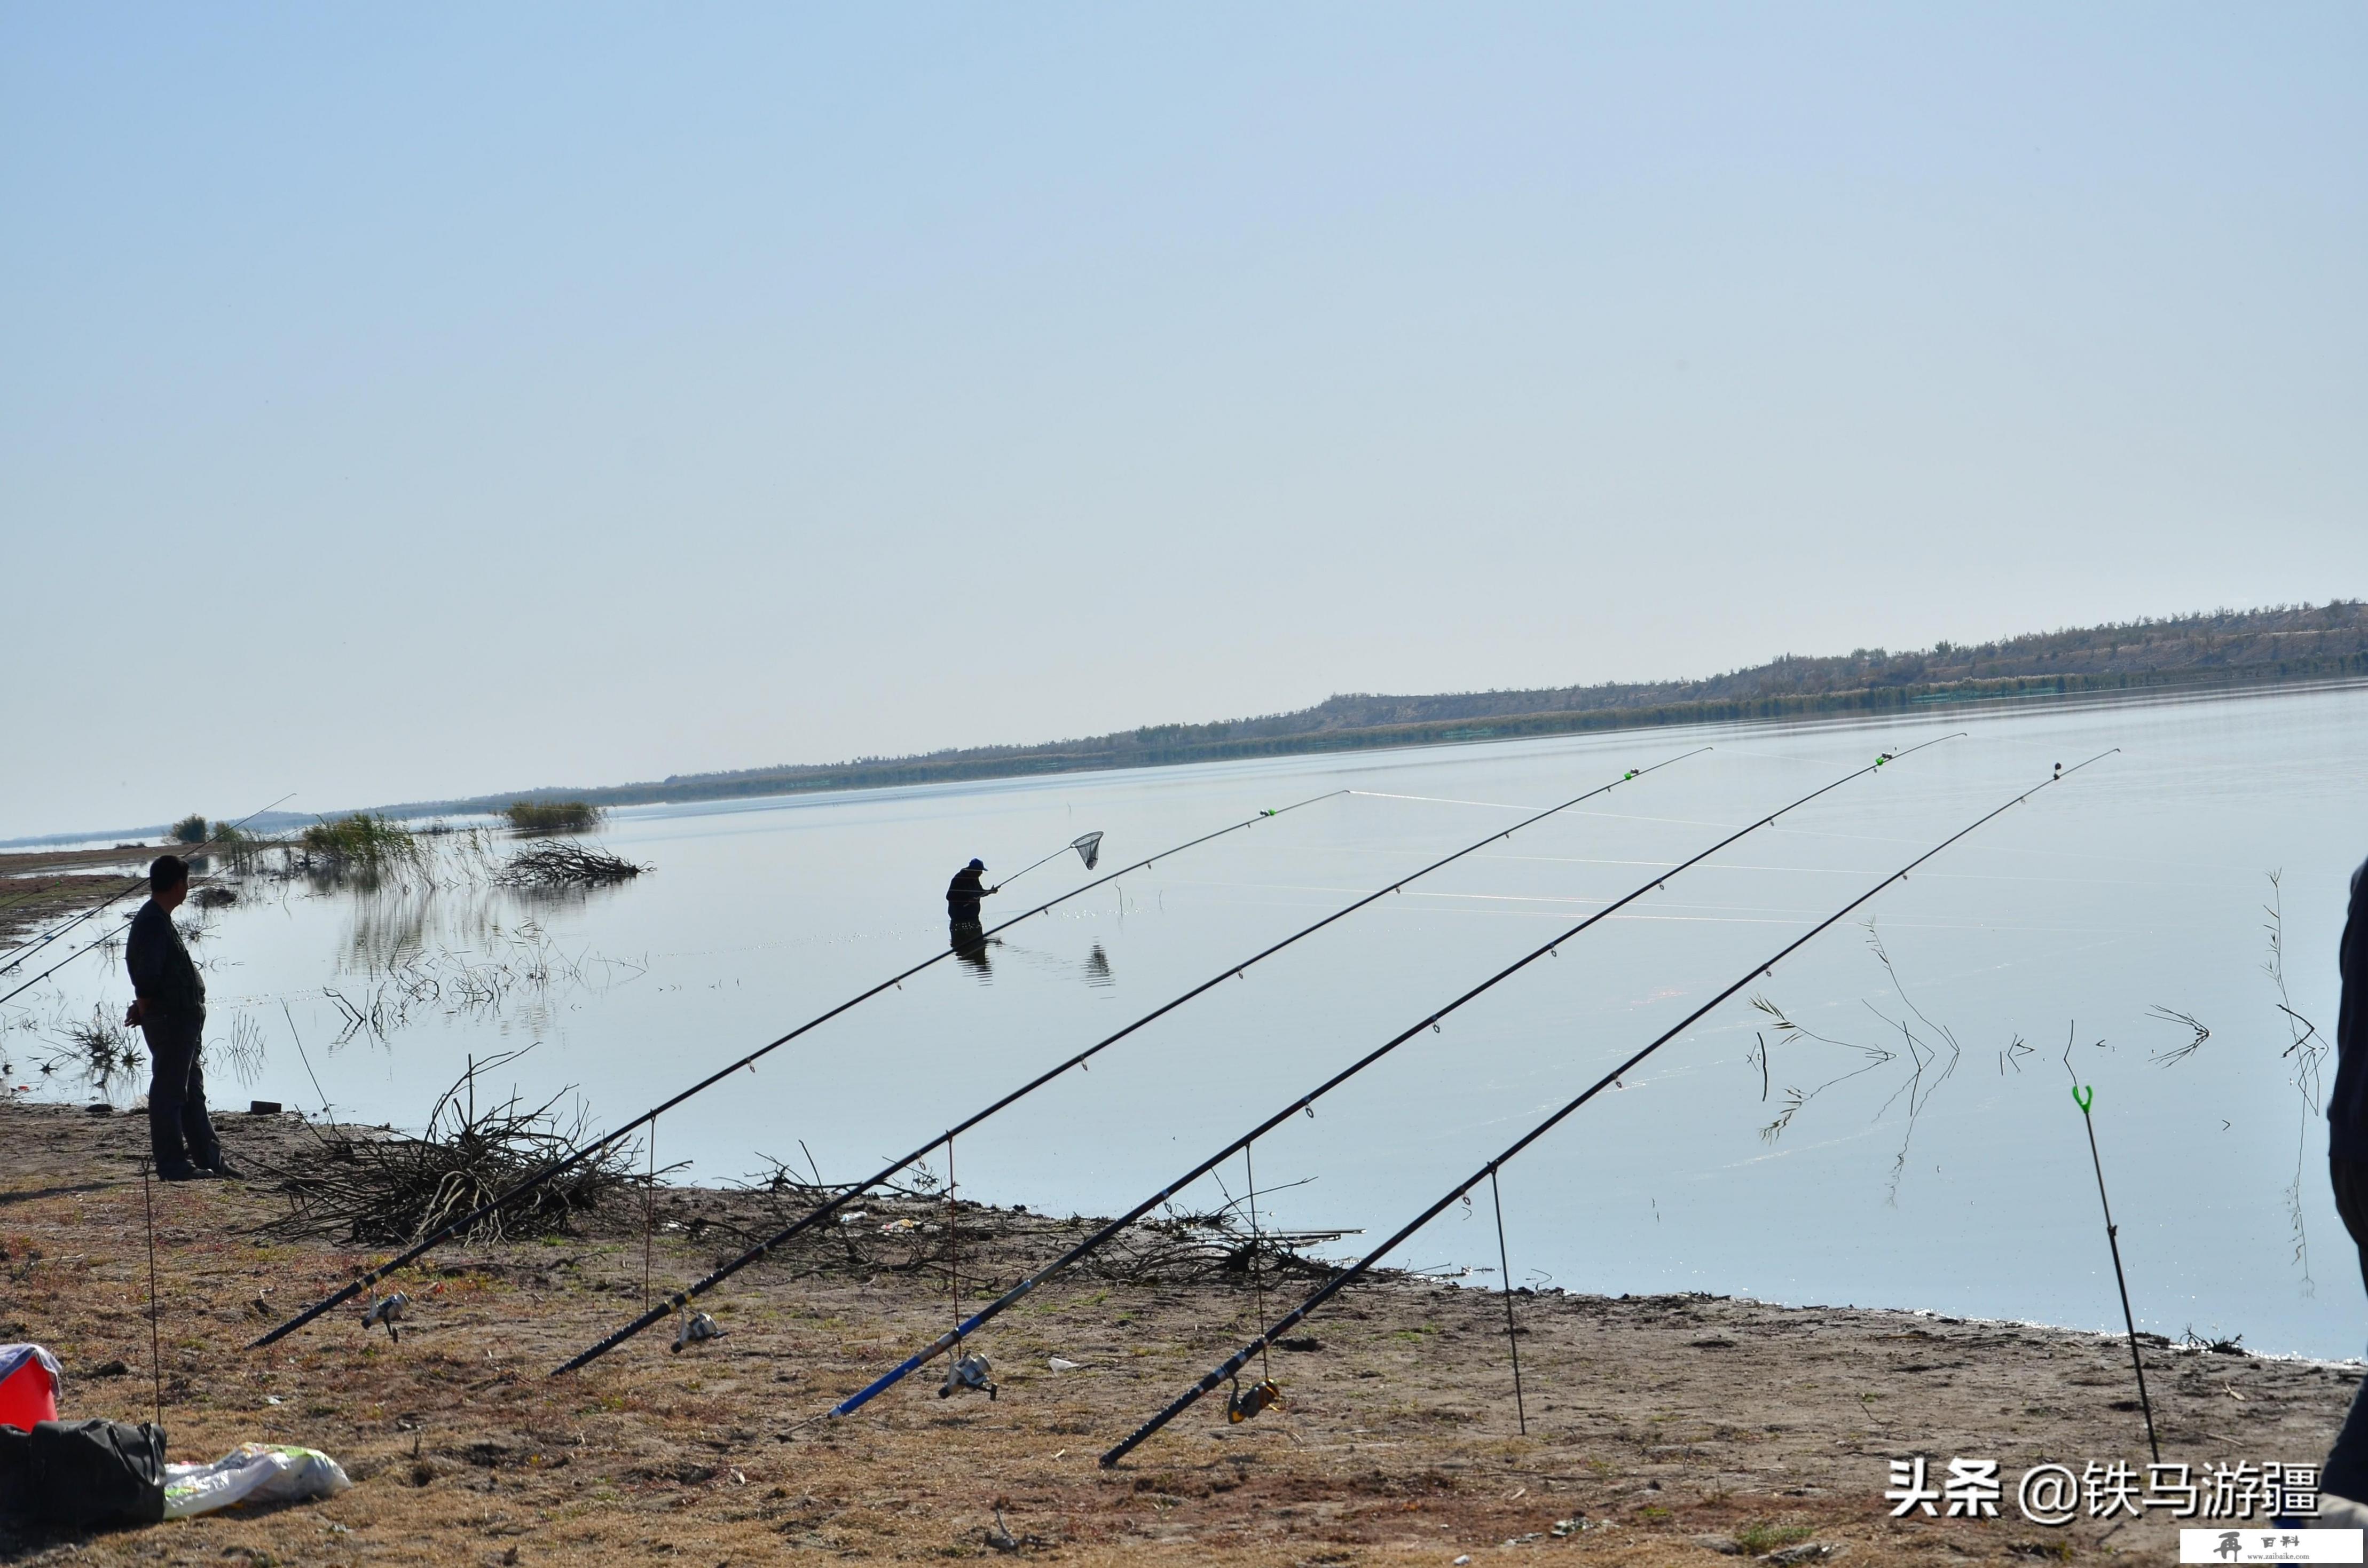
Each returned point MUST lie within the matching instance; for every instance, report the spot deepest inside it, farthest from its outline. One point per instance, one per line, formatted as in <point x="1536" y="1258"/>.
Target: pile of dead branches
<point x="1207" y="1249"/>
<point x="386" y="1191"/>
<point x="551" y="863"/>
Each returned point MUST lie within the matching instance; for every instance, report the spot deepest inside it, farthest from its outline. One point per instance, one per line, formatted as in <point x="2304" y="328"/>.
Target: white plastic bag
<point x="252" y="1473"/>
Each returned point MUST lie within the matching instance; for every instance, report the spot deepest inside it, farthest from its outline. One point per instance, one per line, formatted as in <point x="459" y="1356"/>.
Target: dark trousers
<point x="179" y="1131"/>
<point x="2346" y="1472"/>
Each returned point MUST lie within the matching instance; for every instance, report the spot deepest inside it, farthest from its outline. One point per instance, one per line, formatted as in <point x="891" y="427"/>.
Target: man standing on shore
<point x="169" y="1006"/>
<point x="2346" y="1472"/>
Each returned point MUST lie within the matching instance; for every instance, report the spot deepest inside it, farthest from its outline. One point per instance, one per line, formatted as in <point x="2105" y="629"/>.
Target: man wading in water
<point x="962" y="895"/>
<point x="170" y="1008"/>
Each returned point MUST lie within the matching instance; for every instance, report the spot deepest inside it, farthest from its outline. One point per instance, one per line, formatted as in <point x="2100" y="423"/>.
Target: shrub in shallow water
<point x="241" y="851"/>
<point x="553" y="816"/>
<point x="190" y="829"/>
<point x="361" y="843"/>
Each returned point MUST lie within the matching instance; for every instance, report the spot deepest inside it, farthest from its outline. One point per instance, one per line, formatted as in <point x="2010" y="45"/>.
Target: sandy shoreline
<point x="1661" y="1428"/>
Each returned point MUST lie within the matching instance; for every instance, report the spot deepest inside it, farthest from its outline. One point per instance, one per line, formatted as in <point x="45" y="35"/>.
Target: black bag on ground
<point x="15" y="1473"/>
<point x="83" y="1473"/>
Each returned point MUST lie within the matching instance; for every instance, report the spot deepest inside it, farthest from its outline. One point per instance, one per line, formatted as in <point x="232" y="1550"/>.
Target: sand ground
<point x="1661" y="1429"/>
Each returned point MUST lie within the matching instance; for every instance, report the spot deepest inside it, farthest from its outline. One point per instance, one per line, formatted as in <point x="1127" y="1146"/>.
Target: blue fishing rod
<point x="1307" y="1102"/>
<point x="681" y="1300"/>
<point x="1346" y="1277"/>
<point x="746" y="1064"/>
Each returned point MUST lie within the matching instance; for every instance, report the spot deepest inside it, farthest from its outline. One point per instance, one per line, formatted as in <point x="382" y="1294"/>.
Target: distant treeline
<point x="2223" y="648"/>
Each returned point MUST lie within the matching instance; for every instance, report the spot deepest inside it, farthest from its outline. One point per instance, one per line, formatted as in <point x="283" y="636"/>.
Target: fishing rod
<point x="9" y="959"/>
<point x="129" y="888"/>
<point x="1088" y="847"/>
<point x="560" y="1167"/>
<point x="1348" y="1276"/>
<point x="26" y="950"/>
<point x="1306" y="1102"/>
<point x="681" y="1301"/>
<point x="2084" y="1095"/>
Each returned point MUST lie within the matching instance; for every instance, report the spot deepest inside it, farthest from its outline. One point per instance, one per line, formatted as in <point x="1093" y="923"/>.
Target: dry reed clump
<point x="389" y="1190"/>
<point x="551" y="863"/>
<point x="538" y="817"/>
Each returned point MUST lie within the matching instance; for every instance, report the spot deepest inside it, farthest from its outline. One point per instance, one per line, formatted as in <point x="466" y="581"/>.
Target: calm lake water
<point x="1935" y="1158"/>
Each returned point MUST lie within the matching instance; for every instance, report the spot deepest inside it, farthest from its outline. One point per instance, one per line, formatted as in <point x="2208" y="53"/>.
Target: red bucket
<point x="29" y="1386"/>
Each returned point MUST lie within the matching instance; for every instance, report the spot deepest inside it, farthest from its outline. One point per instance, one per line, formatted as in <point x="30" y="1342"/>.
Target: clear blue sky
<point x="510" y="395"/>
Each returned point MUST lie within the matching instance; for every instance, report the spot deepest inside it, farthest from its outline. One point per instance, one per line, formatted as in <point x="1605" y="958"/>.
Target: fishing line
<point x="1731" y="866"/>
<point x="1230" y="972"/>
<point x="1305" y="1104"/>
<point x="22" y="953"/>
<point x="1569" y="898"/>
<point x="24" y="949"/>
<point x="155" y="1340"/>
<point x="303" y="1056"/>
<point x="1257" y="1276"/>
<point x="1441" y="801"/>
<point x="953" y="1237"/>
<point x="91" y="945"/>
<point x="748" y="1063"/>
<point x="2084" y="1097"/>
<point x="1344" y="1278"/>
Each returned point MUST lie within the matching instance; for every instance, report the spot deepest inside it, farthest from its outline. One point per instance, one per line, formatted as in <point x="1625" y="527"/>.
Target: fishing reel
<point x="387" y="1309"/>
<point x="694" y="1328"/>
<point x="1262" y="1394"/>
<point x="973" y="1371"/>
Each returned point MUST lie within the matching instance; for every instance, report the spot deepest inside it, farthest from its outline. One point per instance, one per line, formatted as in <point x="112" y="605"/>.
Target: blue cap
<point x="977" y="865"/>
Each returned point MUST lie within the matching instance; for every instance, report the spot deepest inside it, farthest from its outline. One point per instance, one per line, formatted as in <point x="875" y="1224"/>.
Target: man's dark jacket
<point x="962" y="894"/>
<point x="171" y="992"/>
<point x="2347" y="1108"/>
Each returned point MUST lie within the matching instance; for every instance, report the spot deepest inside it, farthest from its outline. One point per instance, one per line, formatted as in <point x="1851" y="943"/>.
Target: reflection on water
<point x="970" y="943"/>
<point x="1928" y="1053"/>
<point x="239" y="1047"/>
<point x="390" y="925"/>
<point x="1880" y="1132"/>
<point x="513" y="979"/>
<point x="94" y="1054"/>
<point x="459" y="948"/>
<point x="437" y="945"/>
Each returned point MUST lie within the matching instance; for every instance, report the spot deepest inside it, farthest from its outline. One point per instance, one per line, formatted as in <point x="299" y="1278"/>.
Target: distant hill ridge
<point x="2281" y="643"/>
<point x="2223" y="648"/>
